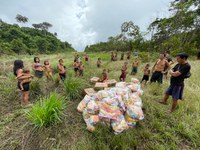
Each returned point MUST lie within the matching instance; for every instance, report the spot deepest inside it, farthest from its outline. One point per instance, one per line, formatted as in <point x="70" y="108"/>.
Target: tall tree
<point x="130" y="30"/>
<point x="21" y="19"/>
<point x="37" y="26"/>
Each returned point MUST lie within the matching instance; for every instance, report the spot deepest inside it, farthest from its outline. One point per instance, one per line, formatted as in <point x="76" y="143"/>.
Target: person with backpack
<point x="179" y="73"/>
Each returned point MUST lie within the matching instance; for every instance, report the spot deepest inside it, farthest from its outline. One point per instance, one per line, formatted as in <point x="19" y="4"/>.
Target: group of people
<point x="161" y="67"/>
<point x="24" y="76"/>
<point x="114" y="56"/>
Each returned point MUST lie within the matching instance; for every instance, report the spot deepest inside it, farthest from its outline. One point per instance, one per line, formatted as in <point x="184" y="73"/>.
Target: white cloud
<point x="84" y="22"/>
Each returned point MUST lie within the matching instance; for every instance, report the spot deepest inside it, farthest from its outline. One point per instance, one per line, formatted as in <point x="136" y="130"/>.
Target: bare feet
<point x="164" y="103"/>
<point x="169" y="111"/>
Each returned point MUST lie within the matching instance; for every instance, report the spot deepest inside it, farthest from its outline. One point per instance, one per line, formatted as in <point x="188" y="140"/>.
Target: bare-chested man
<point x="158" y="69"/>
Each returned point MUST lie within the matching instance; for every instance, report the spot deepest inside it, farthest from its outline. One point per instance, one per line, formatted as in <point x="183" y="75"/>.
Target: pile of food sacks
<point x="119" y="107"/>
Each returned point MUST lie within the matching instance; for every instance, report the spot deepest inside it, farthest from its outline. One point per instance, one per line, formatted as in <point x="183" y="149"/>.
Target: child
<point x="123" y="72"/>
<point x="122" y="56"/>
<point x="115" y="57"/>
<point x="146" y="74"/>
<point x="81" y="68"/>
<point x="76" y="65"/>
<point x="48" y="69"/>
<point x="134" y="66"/>
<point x="62" y="70"/>
<point x="112" y="56"/>
<point x="104" y="76"/>
<point x="26" y="73"/>
<point x="99" y="62"/>
<point x="128" y="56"/>
<point x="86" y="57"/>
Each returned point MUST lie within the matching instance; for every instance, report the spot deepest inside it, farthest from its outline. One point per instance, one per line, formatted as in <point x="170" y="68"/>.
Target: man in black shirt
<point x="178" y="74"/>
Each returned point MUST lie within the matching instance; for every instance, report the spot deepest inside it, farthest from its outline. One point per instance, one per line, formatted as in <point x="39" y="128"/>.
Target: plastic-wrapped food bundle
<point x="119" y="107"/>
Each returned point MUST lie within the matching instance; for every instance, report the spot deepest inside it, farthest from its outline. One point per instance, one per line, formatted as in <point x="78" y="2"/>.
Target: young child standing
<point x="62" y="70"/>
<point x="146" y="74"/>
<point x="86" y="57"/>
<point x="128" y="56"/>
<point x="47" y="69"/>
<point x="81" y="68"/>
<point x="134" y="66"/>
<point x="99" y="62"/>
<point x="76" y="65"/>
<point x="123" y="72"/>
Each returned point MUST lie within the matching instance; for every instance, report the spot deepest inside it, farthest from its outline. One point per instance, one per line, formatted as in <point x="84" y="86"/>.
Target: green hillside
<point x="23" y="40"/>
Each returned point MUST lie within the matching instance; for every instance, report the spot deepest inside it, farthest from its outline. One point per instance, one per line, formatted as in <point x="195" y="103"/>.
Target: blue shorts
<point x="175" y="91"/>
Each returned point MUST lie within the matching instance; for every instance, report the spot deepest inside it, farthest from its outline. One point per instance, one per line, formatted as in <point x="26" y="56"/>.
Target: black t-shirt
<point x="183" y="69"/>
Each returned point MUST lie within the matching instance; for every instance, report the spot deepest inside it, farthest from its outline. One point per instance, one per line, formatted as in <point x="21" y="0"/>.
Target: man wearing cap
<point x="178" y="74"/>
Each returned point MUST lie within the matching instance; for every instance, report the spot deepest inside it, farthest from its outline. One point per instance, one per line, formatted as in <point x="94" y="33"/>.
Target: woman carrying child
<point x="21" y="76"/>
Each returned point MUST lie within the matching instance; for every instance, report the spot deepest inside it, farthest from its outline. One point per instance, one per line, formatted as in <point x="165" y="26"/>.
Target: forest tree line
<point x="179" y="32"/>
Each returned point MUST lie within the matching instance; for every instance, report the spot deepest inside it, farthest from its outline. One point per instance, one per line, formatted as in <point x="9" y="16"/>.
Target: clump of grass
<point x="73" y="88"/>
<point x="35" y="87"/>
<point x="47" y="111"/>
<point x="8" y="89"/>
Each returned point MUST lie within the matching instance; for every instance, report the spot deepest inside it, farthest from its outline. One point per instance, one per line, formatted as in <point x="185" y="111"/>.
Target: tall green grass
<point x="73" y="88"/>
<point x="159" y="130"/>
<point x="47" y="111"/>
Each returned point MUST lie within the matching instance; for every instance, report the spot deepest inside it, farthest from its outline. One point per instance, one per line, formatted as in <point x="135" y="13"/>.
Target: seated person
<point x="104" y="76"/>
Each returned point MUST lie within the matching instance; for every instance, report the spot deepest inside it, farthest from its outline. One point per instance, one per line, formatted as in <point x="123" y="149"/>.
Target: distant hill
<point x="26" y="40"/>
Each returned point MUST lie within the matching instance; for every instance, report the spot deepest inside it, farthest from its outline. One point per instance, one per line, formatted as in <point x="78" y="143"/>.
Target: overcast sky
<point x="85" y="22"/>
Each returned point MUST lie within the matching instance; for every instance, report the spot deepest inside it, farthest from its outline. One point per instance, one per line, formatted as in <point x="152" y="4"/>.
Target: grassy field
<point x="159" y="130"/>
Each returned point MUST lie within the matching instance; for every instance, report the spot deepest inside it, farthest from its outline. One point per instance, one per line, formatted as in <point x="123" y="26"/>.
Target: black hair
<point x="18" y="64"/>
<point x="36" y="58"/>
<point x="164" y="54"/>
<point x="60" y="60"/>
<point x="46" y="62"/>
<point x="183" y="55"/>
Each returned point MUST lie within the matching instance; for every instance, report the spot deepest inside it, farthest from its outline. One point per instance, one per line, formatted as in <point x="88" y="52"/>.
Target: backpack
<point x="188" y="75"/>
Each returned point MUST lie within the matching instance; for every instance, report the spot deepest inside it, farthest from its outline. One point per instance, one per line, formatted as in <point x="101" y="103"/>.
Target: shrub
<point x="73" y="88"/>
<point x="36" y="87"/>
<point x="47" y="111"/>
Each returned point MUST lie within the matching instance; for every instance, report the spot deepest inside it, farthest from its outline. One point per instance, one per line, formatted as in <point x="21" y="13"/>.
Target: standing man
<point x="170" y="61"/>
<point x="158" y="69"/>
<point x="178" y="74"/>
